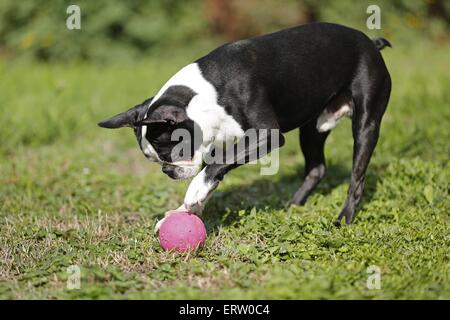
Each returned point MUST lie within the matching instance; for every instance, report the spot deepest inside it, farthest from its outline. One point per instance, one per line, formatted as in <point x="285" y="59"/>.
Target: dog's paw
<point x="158" y="225"/>
<point x="196" y="207"/>
<point x="168" y="213"/>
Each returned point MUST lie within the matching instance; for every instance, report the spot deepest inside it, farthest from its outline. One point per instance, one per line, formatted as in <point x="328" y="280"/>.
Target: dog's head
<point x="165" y="134"/>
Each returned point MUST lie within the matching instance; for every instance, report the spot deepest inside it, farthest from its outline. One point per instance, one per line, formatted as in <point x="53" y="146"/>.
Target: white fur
<point x="168" y="213"/>
<point x="328" y="120"/>
<point x="217" y="126"/>
<point x="198" y="193"/>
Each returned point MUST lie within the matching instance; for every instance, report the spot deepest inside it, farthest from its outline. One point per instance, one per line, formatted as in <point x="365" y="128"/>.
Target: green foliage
<point x="402" y="21"/>
<point x="74" y="194"/>
<point x="109" y="29"/>
<point x="114" y="29"/>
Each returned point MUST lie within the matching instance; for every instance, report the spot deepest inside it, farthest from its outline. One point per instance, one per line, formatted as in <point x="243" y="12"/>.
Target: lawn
<point x="72" y="194"/>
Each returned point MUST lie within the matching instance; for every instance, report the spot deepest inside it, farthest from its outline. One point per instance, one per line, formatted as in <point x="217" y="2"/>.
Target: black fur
<point x="295" y="72"/>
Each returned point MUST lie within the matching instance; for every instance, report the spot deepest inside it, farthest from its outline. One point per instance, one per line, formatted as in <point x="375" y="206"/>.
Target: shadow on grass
<point x="275" y="191"/>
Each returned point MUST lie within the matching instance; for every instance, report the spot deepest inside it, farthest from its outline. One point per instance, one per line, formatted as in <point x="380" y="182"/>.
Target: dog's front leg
<point x="246" y="150"/>
<point x="197" y="194"/>
<point x="199" y="190"/>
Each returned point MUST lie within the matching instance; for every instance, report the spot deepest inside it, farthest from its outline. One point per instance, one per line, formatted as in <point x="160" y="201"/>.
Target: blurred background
<point x="112" y="30"/>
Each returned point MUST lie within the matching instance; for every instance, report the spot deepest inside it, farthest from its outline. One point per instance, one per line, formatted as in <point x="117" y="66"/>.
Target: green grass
<point x="74" y="194"/>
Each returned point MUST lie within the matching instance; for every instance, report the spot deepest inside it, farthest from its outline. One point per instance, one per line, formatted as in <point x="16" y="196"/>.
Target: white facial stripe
<point x="148" y="149"/>
<point x="217" y="126"/>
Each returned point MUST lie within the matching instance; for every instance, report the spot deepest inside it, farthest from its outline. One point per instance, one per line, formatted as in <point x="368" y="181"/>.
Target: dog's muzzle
<point x="179" y="172"/>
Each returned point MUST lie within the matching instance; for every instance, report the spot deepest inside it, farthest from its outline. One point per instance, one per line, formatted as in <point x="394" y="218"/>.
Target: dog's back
<point x="288" y="65"/>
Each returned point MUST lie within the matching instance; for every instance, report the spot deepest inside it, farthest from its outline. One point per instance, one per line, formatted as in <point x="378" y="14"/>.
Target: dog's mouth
<point x="178" y="172"/>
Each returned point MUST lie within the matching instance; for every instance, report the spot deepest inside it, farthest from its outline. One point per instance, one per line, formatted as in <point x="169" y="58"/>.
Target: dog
<point x="307" y="77"/>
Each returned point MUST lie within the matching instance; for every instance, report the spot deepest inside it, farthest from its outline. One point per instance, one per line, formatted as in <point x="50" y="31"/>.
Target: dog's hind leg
<point x="312" y="143"/>
<point x="370" y="105"/>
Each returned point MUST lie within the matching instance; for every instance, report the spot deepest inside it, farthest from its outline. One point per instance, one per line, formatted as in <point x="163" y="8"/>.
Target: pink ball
<point x="182" y="231"/>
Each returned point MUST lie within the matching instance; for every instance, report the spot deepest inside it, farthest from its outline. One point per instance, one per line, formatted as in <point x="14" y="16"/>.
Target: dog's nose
<point x="168" y="170"/>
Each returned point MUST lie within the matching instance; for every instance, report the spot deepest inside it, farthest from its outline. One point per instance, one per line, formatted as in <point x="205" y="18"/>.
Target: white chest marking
<point x="147" y="148"/>
<point x="217" y="126"/>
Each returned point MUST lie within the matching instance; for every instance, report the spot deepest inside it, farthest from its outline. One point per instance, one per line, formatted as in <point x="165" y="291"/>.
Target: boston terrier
<point x="307" y="77"/>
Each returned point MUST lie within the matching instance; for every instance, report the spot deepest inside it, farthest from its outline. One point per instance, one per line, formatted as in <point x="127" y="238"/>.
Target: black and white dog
<point x="306" y="77"/>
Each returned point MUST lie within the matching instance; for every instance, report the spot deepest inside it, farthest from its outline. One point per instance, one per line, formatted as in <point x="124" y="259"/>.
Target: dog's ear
<point x="165" y="114"/>
<point x="128" y="118"/>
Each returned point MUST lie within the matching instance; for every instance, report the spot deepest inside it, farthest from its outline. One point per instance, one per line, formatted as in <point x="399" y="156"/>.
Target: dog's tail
<point x="381" y="43"/>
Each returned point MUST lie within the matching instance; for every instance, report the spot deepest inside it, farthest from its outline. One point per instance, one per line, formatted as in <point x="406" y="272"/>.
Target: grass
<point x="73" y="194"/>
